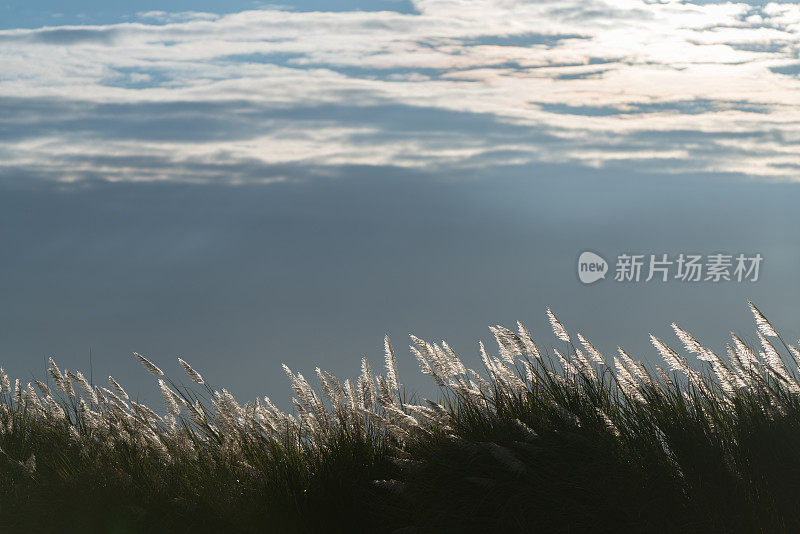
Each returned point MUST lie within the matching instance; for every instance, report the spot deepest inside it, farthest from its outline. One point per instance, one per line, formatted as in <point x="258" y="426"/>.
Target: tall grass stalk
<point x="566" y="440"/>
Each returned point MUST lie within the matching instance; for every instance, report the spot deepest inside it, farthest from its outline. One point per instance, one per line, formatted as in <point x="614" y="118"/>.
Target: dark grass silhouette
<point x="544" y="443"/>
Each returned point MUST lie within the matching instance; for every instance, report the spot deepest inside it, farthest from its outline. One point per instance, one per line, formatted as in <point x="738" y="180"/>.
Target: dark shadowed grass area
<point x="546" y="444"/>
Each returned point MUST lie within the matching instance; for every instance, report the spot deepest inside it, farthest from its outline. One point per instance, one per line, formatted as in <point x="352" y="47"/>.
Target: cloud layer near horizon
<point x="458" y="85"/>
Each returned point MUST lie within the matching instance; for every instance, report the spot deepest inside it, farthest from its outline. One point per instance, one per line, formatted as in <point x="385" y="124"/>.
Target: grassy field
<point x="564" y="441"/>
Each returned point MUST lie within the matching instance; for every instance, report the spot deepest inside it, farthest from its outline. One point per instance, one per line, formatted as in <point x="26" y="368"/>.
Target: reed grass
<point x="560" y="440"/>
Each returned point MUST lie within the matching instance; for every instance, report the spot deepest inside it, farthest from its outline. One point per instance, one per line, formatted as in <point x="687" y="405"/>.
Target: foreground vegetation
<point x="568" y="441"/>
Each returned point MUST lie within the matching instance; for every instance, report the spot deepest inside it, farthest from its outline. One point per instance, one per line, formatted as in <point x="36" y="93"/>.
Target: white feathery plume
<point x="84" y="384"/>
<point x="66" y="385"/>
<point x="772" y="357"/>
<point x="119" y="389"/>
<point x="337" y="390"/>
<point x="795" y="354"/>
<point x="198" y="415"/>
<point x="171" y="423"/>
<point x="327" y="390"/>
<point x="636" y="368"/>
<point x="5" y="382"/>
<point x="727" y="376"/>
<point x="110" y="396"/>
<point x="510" y="345"/>
<point x="147" y="412"/>
<point x="627" y="382"/>
<point x="31" y="398"/>
<point x="455" y="361"/>
<point x="440" y="365"/>
<point x="53" y="408"/>
<point x="350" y="397"/>
<point x="385" y="393"/>
<point x="399" y="417"/>
<point x="569" y="369"/>
<point x="558" y="328"/>
<point x="169" y="398"/>
<point x="225" y="413"/>
<point x="55" y="372"/>
<point x="775" y="363"/>
<point x="479" y="382"/>
<point x="721" y="370"/>
<point x="584" y="364"/>
<point x="44" y="388"/>
<point x="440" y="411"/>
<point x="689" y="342"/>
<point x="764" y="326"/>
<point x="150" y="366"/>
<point x="441" y="362"/>
<point x="306" y="396"/>
<point x="530" y="376"/>
<point x="316" y="405"/>
<point x="676" y="362"/>
<point x="746" y="355"/>
<point x="424" y="365"/>
<point x="506" y="377"/>
<point x="194" y="375"/>
<point x="741" y="379"/>
<point x="425" y="415"/>
<point x="366" y="383"/>
<point x="391" y="365"/>
<point x="308" y="420"/>
<point x="231" y="404"/>
<point x="593" y="353"/>
<point x="673" y="360"/>
<point x="527" y="340"/>
<point x="487" y="362"/>
<point x="505" y="347"/>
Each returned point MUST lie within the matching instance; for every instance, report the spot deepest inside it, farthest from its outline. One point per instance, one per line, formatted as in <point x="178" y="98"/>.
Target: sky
<point x="289" y="182"/>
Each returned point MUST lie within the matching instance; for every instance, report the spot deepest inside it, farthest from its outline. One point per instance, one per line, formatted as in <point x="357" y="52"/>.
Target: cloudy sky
<point x="290" y="182"/>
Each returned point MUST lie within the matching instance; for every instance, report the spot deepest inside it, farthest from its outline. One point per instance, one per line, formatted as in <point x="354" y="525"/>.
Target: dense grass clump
<point x="555" y="442"/>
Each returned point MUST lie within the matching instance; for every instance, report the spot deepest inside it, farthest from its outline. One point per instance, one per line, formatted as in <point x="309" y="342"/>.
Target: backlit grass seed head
<point x="120" y="391"/>
<point x="44" y="388"/>
<point x="5" y="382"/>
<point x="391" y="364"/>
<point x="150" y="366"/>
<point x="169" y="398"/>
<point x="85" y="386"/>
<point x="54" y="371"/>
<point x="764" y="326"/>
<point x="558" y="328"/>
<point x="62" y="382"/>
<point x="591" y="351"/>
<point x="54" y="410"/>
<point x="689" y="342"/>
<point x="527" y="340"/>
<point x="194" y="375"/>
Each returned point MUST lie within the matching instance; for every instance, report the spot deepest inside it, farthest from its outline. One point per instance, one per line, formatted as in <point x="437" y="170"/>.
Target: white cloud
<point x="583" y="81"/>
